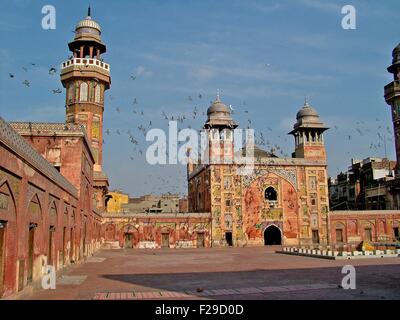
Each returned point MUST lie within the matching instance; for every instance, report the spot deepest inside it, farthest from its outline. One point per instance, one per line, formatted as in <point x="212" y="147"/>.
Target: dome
<point x="219" y="115"/>
<point x="307" y="112"/>
<point x="88" y="22"/>
<point x="218" y="107"/>
<point x="308" y="117"/>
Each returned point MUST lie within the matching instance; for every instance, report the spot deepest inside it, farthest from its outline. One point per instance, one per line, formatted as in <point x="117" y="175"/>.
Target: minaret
<point x="309" y="134"/>
<point x="86" y="77"/>
<point x="392" y="97"/>
<point x="221" y="126"/>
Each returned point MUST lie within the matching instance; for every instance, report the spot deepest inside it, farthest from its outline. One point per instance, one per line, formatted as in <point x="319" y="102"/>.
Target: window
<point x="368" y="234"/>
<point x="271" y="194"/>
<point x="227" y="183"/>
<point x="97" y="94"/>
<point x="71" y="93"/>
<point x="83" y="92"/>
<point x="396" y="233"/>
<point x="91" y="92"/>
<point x="226" y="134"/>
<point x="315" y="236"/>
<point x="228" y="202"/>
<point x="339" y="235"/>
<point x="313" y="183"/>
<point x="77" y="91"/>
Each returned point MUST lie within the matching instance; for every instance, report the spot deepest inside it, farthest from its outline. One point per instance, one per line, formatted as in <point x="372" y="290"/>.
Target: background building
<point x="166" y="203"/>
<point x="115" y="199"/>
<point x="363" y="186"/>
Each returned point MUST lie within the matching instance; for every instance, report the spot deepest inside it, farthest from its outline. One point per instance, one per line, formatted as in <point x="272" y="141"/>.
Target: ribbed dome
<point x="88" y="22"/>
<point x="307" y="112"/>
<point x="308" y="117"/>
<point x="218" y="107"/>
<point x="219" y="115"/>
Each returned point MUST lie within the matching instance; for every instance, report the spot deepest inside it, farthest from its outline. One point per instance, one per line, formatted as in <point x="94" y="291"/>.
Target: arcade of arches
<point x="162" y="230"/>
<point x="42" y="216"/>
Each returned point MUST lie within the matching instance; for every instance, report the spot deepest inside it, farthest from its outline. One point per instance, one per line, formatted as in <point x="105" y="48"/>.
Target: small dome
<point x="88" y="22"/>
<point x="219" y="115"/>
<point x="307" y="111"/>
<point x="308" y="117"/>
<point x="218" y="107"/>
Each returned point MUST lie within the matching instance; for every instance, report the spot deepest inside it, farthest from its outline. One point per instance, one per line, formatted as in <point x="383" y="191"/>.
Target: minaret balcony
<point x="85" y="62"/>
<point x="392" y="90"/>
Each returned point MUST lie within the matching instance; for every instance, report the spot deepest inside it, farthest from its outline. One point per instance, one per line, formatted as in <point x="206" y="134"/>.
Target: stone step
<point x="111" y="245"/>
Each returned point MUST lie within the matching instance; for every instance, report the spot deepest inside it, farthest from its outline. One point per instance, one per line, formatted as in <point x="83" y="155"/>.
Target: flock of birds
<point x="194" y="117"/>
<point x="52" y="71"/>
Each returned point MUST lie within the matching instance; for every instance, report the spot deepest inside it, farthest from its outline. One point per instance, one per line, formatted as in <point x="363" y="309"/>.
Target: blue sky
<point x="265" y="56"/>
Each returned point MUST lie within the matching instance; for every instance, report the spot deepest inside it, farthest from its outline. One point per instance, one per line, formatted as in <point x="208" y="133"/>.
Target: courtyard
<point x="226" y="273"/>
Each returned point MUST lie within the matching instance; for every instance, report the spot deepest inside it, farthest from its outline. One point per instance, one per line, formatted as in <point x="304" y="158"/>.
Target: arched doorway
<point x="110" y="232"/>
<point x="52" y="230"/>
<point x="7" y="239"/>
<point x="128" y="240"/>
<point x="35" y="217"/>
<point x="272" y="236"/>
<point x="129" y="236"/>
<point x="229" y="238"/>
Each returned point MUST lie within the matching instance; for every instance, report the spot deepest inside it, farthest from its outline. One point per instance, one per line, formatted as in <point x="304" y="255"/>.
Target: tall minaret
<point x="392" y="97"/>
<point x="309" y="134"/>
<point x="86" y="77"/>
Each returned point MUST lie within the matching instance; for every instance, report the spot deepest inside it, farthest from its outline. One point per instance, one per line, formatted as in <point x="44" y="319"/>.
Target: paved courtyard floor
<point x="226" y="273"/>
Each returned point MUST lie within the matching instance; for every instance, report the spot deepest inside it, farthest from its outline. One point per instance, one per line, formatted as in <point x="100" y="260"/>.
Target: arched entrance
<point x="272" y="236"/>
<point x="229" y="238"/>
<point x="7" y="239"/>
<point x="35" y="217"/>
<point x="128" y="240"/>
<point x="129" y="233"/>
<point x="110" y="232"/>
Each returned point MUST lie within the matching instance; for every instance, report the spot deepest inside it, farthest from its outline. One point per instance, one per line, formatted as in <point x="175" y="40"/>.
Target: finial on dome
<point x="306" y="101"/>
<point x="88" y="11"/>
<point x="218" y="95"/>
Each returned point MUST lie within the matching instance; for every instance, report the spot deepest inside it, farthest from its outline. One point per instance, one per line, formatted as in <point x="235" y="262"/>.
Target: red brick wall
<point x="20" y="183"/>
<point x="180" y="230"/>
<point x="354" y="225"/>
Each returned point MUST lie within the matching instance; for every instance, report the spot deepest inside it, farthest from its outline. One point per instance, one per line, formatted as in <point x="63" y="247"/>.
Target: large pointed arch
<point x="9" y="200"/>
<point x="53" y="213"/>
<point x="8" y="228"/>
<point x="35" y="209"/>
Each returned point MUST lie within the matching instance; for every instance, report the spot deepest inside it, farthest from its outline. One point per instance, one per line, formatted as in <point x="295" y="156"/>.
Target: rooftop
<point x="10" y="137"/>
